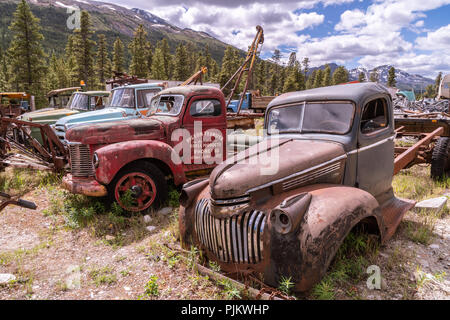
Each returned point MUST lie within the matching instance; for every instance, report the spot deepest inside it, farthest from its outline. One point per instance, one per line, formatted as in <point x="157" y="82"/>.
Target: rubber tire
<point x="151" y="170"/>
<point x="440" y="164"/>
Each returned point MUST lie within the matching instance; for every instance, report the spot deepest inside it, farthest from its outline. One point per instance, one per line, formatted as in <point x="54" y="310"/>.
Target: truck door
<point x="205" y="120"/>
<point x="375" y="148"/>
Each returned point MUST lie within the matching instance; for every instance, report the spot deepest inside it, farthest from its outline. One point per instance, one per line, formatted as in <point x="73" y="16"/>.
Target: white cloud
<point x="435" y="40"/>
<point x="279" y="23"/>
<point x="419" y="23"/>
<point x="374" y="35"/>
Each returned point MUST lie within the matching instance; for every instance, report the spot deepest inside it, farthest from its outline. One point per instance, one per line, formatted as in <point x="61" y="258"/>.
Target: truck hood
<point x="107" y="114"/>
<point x="45" y="116"/>
<point x="116" y="131"/>
<point x="267" y="162"/>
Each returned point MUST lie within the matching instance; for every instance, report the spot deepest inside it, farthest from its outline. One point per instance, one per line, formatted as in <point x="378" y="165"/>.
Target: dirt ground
<point x="53" y="261"/>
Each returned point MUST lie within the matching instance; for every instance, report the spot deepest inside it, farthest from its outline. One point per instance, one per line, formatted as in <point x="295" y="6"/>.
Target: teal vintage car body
<point x="80" y="101"/>
<point x="127" y="102"/>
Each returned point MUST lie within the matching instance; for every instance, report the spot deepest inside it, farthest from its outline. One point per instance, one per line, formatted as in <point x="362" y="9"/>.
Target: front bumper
<point x="87" y="186"/>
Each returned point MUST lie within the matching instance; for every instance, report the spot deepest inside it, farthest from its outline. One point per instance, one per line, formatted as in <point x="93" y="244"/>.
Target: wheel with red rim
<point x="138" y="187"/>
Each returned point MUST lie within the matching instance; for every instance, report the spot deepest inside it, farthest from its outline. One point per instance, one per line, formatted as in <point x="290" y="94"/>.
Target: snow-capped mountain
<point x="404" y="79"/>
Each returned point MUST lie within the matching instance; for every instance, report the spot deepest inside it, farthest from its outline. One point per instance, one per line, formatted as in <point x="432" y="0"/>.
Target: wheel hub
<point x="136" y="191"/>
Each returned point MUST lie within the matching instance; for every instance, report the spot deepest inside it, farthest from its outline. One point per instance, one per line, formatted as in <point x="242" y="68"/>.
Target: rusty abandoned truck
<point x="135" y="155"/>
<point x="335" y="148"/>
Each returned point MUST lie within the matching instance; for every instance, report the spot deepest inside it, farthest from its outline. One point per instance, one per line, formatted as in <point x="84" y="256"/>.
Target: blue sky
<point x="412" y="35"/>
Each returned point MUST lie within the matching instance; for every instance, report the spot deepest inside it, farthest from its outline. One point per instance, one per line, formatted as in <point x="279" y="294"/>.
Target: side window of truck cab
<point x="374" y="116"/>
<point x="205" y="108"/>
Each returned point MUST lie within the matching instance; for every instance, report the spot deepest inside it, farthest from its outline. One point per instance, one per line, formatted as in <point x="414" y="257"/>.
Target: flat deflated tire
<point x="440" y="163"/>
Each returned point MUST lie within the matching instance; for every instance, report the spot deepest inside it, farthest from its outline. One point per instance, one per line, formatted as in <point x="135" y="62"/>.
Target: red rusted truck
<point x="140" y="155"/>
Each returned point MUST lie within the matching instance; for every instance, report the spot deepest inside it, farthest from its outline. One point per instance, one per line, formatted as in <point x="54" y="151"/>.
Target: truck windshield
<point x="166" y="105"/>
<point x="122" y="98"/>
<point x="312" y="117"/>
<point x="78" y="101"/>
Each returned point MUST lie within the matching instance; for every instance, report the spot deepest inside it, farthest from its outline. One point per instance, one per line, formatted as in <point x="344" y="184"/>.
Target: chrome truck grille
<point x="80" y="160"/>
<point x="237" y="239"/>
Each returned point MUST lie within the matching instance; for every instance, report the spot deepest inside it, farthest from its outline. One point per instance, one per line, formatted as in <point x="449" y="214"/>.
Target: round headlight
<point x="95" y="160"/>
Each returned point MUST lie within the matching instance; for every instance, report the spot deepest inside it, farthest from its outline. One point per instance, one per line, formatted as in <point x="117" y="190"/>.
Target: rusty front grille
<point x="237" y="239"/>
<point x="80" y="160"/>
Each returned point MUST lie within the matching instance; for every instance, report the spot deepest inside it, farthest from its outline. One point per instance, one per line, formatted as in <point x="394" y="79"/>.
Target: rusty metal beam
<point x="409" y="155"/>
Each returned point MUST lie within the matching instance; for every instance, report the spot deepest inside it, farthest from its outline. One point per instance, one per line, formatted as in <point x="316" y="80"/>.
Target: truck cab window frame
<point x="374" y="117"/>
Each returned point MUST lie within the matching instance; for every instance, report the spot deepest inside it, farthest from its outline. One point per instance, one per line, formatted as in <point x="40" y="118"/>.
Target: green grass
<point x="286" y="285"/>
<point x="19" y="181"/>
<point x="152" y="287"/>
<point x="415" y="183"/>
<point x="80" y="211"/>
<point x="104" y="275"/>
<point x="174" y="197"/>
<point x="348" y="268"/>
<point x="229" y="290"/>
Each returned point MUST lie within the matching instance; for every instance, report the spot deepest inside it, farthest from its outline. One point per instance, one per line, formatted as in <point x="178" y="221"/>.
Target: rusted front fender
<point x="304" y="252"/>
<point x="115" y="156"/>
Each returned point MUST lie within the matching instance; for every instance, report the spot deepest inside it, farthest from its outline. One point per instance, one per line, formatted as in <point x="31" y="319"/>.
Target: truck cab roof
<point x="141" y="86"/>
<point x="358" y="93"/>
<point x="192" y="90"/>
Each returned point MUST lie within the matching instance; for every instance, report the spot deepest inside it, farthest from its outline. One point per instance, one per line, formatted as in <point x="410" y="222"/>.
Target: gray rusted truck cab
<point x="334" y="150"/>
<point x="367" y="131"/>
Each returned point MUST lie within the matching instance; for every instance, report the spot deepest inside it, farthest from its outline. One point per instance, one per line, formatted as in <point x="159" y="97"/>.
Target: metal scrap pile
<point x="422" y="108"/>
<point x="18" y="148"/>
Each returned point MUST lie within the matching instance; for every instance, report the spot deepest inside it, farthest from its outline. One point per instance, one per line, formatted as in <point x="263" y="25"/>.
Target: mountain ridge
<point x="405" y="80"/>
<point x="110" y="19"/>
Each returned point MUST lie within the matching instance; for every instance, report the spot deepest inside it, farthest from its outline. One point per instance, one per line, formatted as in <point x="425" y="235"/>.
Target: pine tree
<point x="260" y="75"/>
<point x="273" y="81"/>
<point x="102" y="62"/>
<point x="318" y="79"/>
<point x="3" y="71"/>
<point x="213" y="73"/>
<point x="430" y="91"/>
<point x="166" y="56"/>
<point x="300" y="78"/>
<point x="209" y="63"/>
<point x="52" y="76"/>
<point x="310" y="80"/>
<point x="374" y="76"/>
<point x="70" y="62"/>
<point x="27" y="58"/>
<point x="228" y="68"/>
<point x="83" y="47"/>
<point x="361" y="77"/>
<point x="158" y="70"/>
<point x="305" y="64"/>
<point x="282" y="72"/>
<point x="118" y="62"/>
<point x="139" y="49"/>
<point x="181" y="69"/>
<point x="292" y="60"/>
<point x="340" y="75"/>
<point x="326" y="76"/>
<point x="276" y="56"/>
<point x="391" y="78"/>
